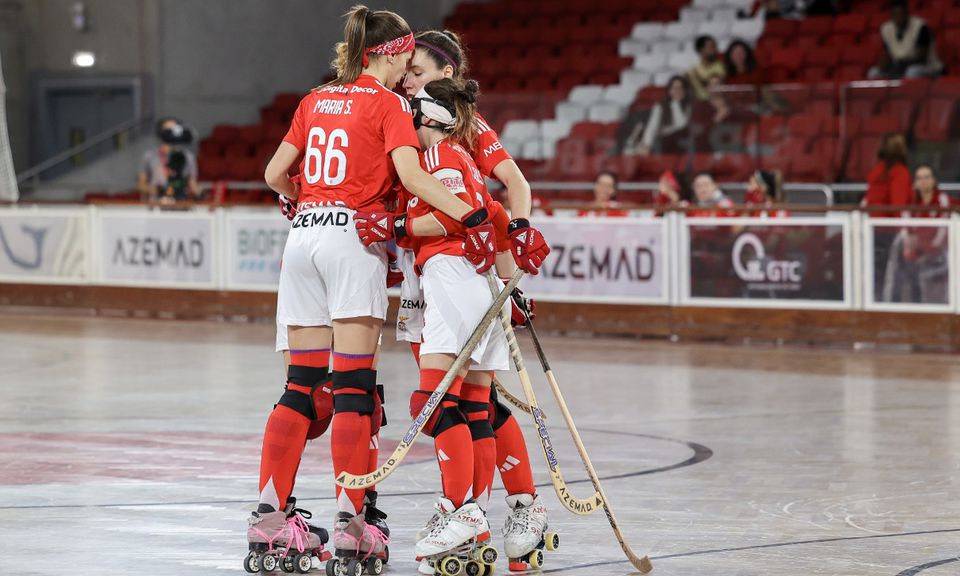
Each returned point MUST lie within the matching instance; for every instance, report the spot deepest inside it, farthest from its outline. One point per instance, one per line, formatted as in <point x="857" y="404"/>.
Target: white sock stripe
<point x="512" y="460"/>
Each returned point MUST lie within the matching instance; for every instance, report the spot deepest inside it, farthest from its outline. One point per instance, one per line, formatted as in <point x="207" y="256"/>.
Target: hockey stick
<point x="641" y="564"/>
<point x="582" y="507"/>
<point x="517" y="403"/>
<point x="352" y="481"/>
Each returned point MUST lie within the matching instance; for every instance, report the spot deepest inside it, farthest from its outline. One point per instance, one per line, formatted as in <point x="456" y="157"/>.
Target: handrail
<point x="61" y="157"/>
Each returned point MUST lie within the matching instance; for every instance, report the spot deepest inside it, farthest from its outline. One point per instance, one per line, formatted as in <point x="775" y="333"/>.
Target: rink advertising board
<point x="172" y="250"/>
<point x="602" y="260"/>
<point x="908" y="264"/>
<point x="766" y="263"/>
<point x="254" y="247"/>
<point x="45" y="246"/>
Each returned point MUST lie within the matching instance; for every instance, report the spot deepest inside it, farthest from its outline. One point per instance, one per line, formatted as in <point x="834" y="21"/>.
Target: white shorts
<point x="327" y="273"/>
<point x="456" y="299"/>
<point x="410" y="314"/>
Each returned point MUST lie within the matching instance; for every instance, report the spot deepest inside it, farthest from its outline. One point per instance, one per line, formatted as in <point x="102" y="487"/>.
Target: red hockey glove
<point x="529" y="247"/>
<point x="379" y="226"/>
<point x="479" y="245"/>
<point x="287" y="208"/>
<point x="394" y="275"/>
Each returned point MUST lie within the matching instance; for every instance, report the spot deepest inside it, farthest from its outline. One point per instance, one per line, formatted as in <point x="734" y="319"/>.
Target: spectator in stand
<point x="888" y="183"/>
<point x="917" y="267"/>
<point x="909" y="48"/>
<point x="667" y="128"/>
<point x="168" y="173"/>
<point x="710" y="197"/>
<point x="604" y="197"/>
<point x="669" y="193"/>
<point x="741" y="65"/>
<point x="928" y="194"/>
<point x="764" y="190"/>
<point x="710" y="66"/>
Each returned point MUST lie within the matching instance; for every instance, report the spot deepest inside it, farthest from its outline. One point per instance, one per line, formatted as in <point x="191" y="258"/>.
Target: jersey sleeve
<point x="397" y="123"/>
<point x="453" y="180"/>
<point x="488" y="151"/>
<point x="296" y="134"/>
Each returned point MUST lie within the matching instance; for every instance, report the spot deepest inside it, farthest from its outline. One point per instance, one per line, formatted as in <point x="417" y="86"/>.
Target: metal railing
<point x="134" y="126"/>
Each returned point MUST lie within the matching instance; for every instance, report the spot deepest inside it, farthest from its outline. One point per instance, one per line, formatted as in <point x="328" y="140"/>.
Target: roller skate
<point x="283" y="539"/>
<point x="458" y="543"/>
<point x="524" y="532"/>
<point x="360" y="547"/>
<point x="374" y="515"/>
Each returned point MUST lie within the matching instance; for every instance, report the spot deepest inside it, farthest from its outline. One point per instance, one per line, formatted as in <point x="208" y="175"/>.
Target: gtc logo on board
<point x="751" y="265"/>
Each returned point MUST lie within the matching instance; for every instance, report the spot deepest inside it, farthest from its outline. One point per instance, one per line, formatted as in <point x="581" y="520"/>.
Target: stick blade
<point x="642" y="564"/>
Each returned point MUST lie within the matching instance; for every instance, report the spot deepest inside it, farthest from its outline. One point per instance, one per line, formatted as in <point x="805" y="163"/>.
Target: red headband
<point x="391" y="48"/>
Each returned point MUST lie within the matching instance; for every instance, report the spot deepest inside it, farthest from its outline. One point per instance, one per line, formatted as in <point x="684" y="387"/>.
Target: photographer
<point x="168" y="173"/>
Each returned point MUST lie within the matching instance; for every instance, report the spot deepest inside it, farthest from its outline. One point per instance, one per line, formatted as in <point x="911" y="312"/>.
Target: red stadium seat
<point x="212" y="168"/>
<point x="237" y="150"/>
<point x="861" y="157"/>
<point x="859" y="55"/>
<point x="935" y="117"/>
<point x="826" y="57"/>
<point x="224" y="133"/>
<point x="853" y="24"/>
<point x="850" y="73"/>
<point x="806" y="125"/>
<point x="209" y="148"/>
<point x="810" y="168"/>
<point x="813" y="73"/>
<point x="815" y="26"/>
<point x="879" y="125"/>
<point x="250" y="135"/>
<point x="780" y="28"/>
<point x="772" y="129"/>
<point x="903" y="109"/>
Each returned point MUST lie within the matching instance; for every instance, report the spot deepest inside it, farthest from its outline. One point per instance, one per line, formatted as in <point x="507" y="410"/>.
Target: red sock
<point x="415" y="349"/>
<point x="285" y="436"/>
<point x="350" y="434"/>
<point x="474" y="405"/>
<point x="512" y="459"/>
<point x="453" y="446"/>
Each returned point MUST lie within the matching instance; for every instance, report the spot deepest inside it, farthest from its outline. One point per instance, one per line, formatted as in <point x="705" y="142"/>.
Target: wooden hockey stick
<point x="642" y="564"/>
<point x="516" y="402"/>
<point x="348" y="480"/>
<point x="582" y="507"/>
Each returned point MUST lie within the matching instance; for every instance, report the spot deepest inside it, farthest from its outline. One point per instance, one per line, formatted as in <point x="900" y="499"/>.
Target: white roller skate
<point x="524" y="532"/>
<point x="359" y="547"/>
<point x="458" y="542"/>
<point x="284" y="539"/>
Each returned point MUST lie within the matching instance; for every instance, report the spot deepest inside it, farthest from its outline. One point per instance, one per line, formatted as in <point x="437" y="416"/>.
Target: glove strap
<point x="517" y="224"/>
<point x="475" y="218"/>
<point x="400" y="227"/>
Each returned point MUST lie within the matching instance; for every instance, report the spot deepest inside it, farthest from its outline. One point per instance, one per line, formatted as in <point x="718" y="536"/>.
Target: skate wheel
<point x="286" y="564"/>
<point x="303" y="563"/>
<point x="551" y="540"/>
<point x="451" y="566"/>
<point x="267" y="563"/>
<point x="386" y="554"/>
<point x="354" y="568"/>
<point x="536" y="559"/>
<point x="474" y="568"/>
<point x="333" y="567"/>
<point x="375" y="567"/>
<point x="488" y="555"/>
<point x="250" y="563"/>
<point x="517" y="566"/>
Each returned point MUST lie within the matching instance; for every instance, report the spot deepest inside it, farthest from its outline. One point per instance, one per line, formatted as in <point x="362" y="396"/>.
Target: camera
<point x="171" y="131"/>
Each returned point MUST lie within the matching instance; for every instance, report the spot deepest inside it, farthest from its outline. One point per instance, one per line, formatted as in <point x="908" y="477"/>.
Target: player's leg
<point x="474" y="403"/>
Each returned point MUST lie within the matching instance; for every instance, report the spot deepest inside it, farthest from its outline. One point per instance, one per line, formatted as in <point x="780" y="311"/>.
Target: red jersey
<point x="487" y="150"/>
<point x="346" y="133"/>
<point x="452" y="165"/>
<point x="939" y="200"/>
<point x="888" y="186"/>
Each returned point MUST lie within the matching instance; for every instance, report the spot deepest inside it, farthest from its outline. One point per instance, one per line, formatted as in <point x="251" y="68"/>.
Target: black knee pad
<point x="307" y="376"/>
<point x="499" y="415"/>
<point x="446" y="418"/>
<point x="480" y="429"/>
<point x="362" y="403"/>
<point x="296" y="400"/>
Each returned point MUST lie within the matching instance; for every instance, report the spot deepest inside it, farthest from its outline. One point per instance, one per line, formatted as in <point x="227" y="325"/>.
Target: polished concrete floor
<point x="131" y="447"/>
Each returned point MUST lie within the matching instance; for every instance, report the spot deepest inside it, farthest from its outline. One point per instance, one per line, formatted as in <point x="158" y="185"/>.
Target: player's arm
<point x="276" y="173"/>
<point x="518" y="189"/>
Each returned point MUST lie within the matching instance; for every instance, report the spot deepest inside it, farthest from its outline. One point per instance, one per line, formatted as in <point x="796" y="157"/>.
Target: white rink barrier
<point x="843" y="261"/>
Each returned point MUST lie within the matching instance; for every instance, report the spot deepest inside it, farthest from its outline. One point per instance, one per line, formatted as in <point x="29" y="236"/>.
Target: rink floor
<point x="132" y="447"/>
